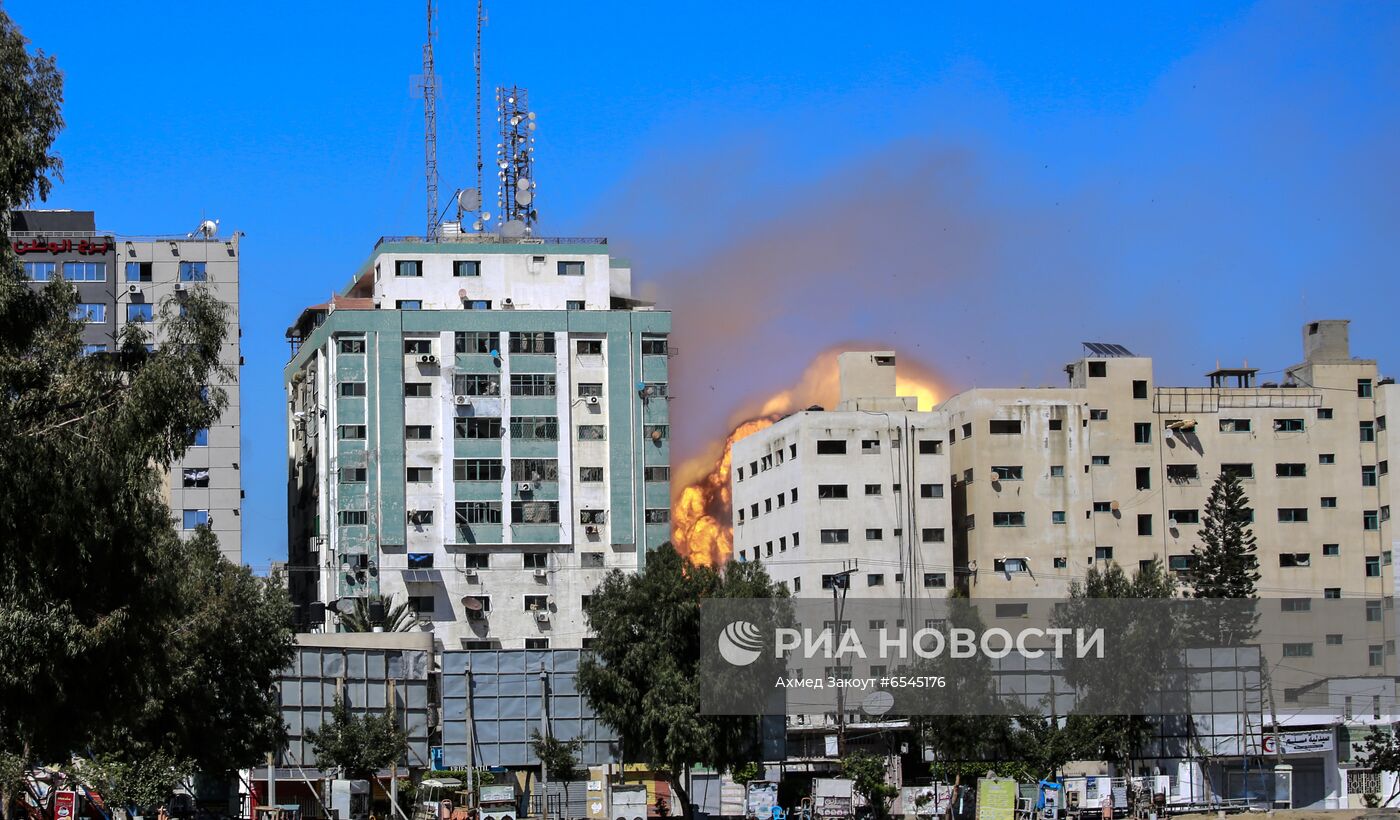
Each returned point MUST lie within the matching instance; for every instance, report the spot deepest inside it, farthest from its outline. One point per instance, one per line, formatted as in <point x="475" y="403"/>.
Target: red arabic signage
<point x="86" y="247"/>
<point x="64" y="804"/>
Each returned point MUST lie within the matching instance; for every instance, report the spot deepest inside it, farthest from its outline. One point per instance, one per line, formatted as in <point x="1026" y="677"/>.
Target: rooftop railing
<point x="496" y="239"/>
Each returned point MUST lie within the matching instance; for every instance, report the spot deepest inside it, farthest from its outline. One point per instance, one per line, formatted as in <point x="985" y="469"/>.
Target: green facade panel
<point x="530" y="363"/>
<point x="534" y="406"/>
<point x="533" y="448"/>
<point x="481" y="534"/>
<point x="477" y="490"/>
<point x="654" y="368"/>
<point x="476" y="448"/>
<point x="535" y="533"/>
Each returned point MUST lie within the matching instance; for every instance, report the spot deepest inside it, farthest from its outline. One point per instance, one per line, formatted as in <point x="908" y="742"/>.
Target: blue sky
<point x="981" y="188"/>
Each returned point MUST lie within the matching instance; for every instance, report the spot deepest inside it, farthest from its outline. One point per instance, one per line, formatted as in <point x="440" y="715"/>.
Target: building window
<point x="1096" y="414"/>
<point x="1331" y="550"/>
<point x="142" y="313"/>
<point x="591" y="432"/>
<point x="1183" y="474"/>
<point x="421" y="604"/>
<point x="591" y="475"/>
<point x="418" y="475"/>
<point x="875" y="579"/>
<point x="196" y="518"/>
<point x="651" y="474"/>
<point x="1329" y="502"/>
<point x="417" y="390"/>
<point x="659" y="515"/>
<point x="534" y="469"/>
<point x="874" y="534"/>
<point x="532" y="384"/>
<point x="408" y="267"/>
<point x="1002" y="427"/>
<point x="478" y="469"/>
<point x="1142" y="432"/>
<point x="85" y="271"/>
<point x="1057" y="424"/>
<point x="1181" y="563"/>
<point x="476" y="384"/>
<point x="1288" y="425"/>
<point x="654" y="346"/>
<point x="352" y="432"/>
<point x="1292" y="515"/>
<point x="476" y="304"/>
<point x="1326" y="458"/>
<point x="935" y="580"/>
<point x="536" y="560"/>
<point x="1324" y="412"/>
<point x="1376" y="654"/>
<point x="1291" y="470"/>
<point x="541" y="342"/>
<point x="870" y="446"/>
<point x="1007" y="473"/>
<point x="1103" y="506"/>
<point x="351" y="389"/>
<point x="40" y="271"/>
<point x="936" y="490"/>
<point x="1098" y="370"/>
<point x="535" y="428"/>
<point x="91" y="313"/>
<point x="1144" y="478"/>
<point x="1183" y="517"/>
<point x="1103" y="553"/>
<point x="195" y="476"/>
<point x="418" y="432"/>
<point x="194" y="272"/>
<point x="872" y="489"/>
<point x="836" y="536"/>
<point x="534" y="512"/>
<point x="409" y="304"/>
<point x="1057" y="517"/>
<point x="420" y="560"/>
<point x="353" y="475"/>
<point x="476" y="427"/>
<point x="1009" y="519"/>
<point x="656" y="432"/>
<point x="1144" y="524"/>
<point x="1368" y="476"/>
<point x="570" y="268"/>
<point x="589" y="347"/>
<point x="1099" y="461"/>
<point x="478" y="512"/>
<point x="831" y="447"/>
<point x="354" y="518"/>
<point x="475" y="341"/>
<point x="1370" y="520"/>
<point x="1368" y="431"/>
<point x="1289" y="560"/>
<point x="353" y="345"/>
<point x="1057" y="471"/>
<point x="1297" y="650"/>
<point x="1373" y="566"/>
<point x="417" y="347"/>
<point x="1363" y="388"/>
<point x="466" y="267"/>
<point x="1060" y="562"/>
<point x="586" y="389"/>
<point x="933" y="535"/>
<point x="1236" y="425"/>
<point x="419" y="518"/>
<point x="929" y="447"/>
<point x="1332" y="593"/>
<point x="1240" y="471"/>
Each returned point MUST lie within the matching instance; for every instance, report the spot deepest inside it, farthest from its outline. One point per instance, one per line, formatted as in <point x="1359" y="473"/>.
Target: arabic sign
<point x="1299" y="743"/>
<point x="87" y="247"/>
<point x="996" y="798"/>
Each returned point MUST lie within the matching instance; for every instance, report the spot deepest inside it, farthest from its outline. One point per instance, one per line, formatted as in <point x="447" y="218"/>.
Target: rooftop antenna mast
<point x="469" y="200"/>
<point x="515" y="155"/>
<point x="430" y="125"/>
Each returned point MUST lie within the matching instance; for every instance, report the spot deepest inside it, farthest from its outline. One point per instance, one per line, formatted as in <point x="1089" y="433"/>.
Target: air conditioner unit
<point x="462" y="400"/>
<point x="432" y="360"/>
<point x="181" y="287"/>
<point x="523" y="486"/>
<point x="541" y="616"/>
<point x="133" y="288"/>
<point x="507" y="302"/>
<point x="594" y="400"/>
<point x="540" y="573"/>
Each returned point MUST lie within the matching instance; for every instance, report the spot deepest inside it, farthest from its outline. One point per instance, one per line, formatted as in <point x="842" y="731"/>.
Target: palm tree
<point x="397" y="617"/>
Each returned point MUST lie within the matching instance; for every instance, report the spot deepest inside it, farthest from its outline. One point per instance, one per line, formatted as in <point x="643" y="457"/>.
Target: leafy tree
<point x="745" y="773"/>
<point x="1226" y="565"/>
<point x="560" y="757"/>
<point x="868" y="777"/>
<point x="134" y="784"/>
<point x="642" y="677"/>
<point x="397" y="617"/>
<point x="359" y="746"/>
<point x="1381" y="753"/>
<point x="96" y="582"/>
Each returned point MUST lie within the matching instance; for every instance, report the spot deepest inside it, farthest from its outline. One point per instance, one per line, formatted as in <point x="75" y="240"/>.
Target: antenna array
<point x="430" y="125"/>
<point x="514" y="162"/>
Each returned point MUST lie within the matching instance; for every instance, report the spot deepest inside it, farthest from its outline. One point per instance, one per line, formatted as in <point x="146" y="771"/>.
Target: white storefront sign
<point x="1299" y="743"/>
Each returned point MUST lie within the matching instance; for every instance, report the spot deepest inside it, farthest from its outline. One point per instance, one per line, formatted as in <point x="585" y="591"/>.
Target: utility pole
<point x="544" y="734"/>
<point x="840" y="584"/>
<point x="471" y="741"/>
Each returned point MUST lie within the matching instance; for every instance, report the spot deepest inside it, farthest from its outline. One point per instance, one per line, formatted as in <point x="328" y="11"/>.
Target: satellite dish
<point x="471" y="603"/>
<point x="485" y="216"/>
<point x="1113" y="506"/>
<point x="513" y="229"/>
<point x="531" y="115"/>
<point x="345" y="606"/>
<point x="522" y="183"/>
<point x="530" y="126"/>
<point x="476" y="226"/>
<point x="524" y="197"/>
<point x="462" y="294"/>
<point x="469" y="199"/>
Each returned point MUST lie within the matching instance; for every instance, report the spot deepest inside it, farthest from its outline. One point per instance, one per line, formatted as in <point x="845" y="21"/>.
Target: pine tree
<point x="1225" y="564"/>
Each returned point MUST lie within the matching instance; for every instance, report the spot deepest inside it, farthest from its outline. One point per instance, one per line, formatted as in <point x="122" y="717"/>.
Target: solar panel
<point x="1107" y="349"/>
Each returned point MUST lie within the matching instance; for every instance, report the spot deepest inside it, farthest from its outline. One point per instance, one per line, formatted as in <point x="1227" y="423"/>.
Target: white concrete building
<point x="478" y="427"/>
